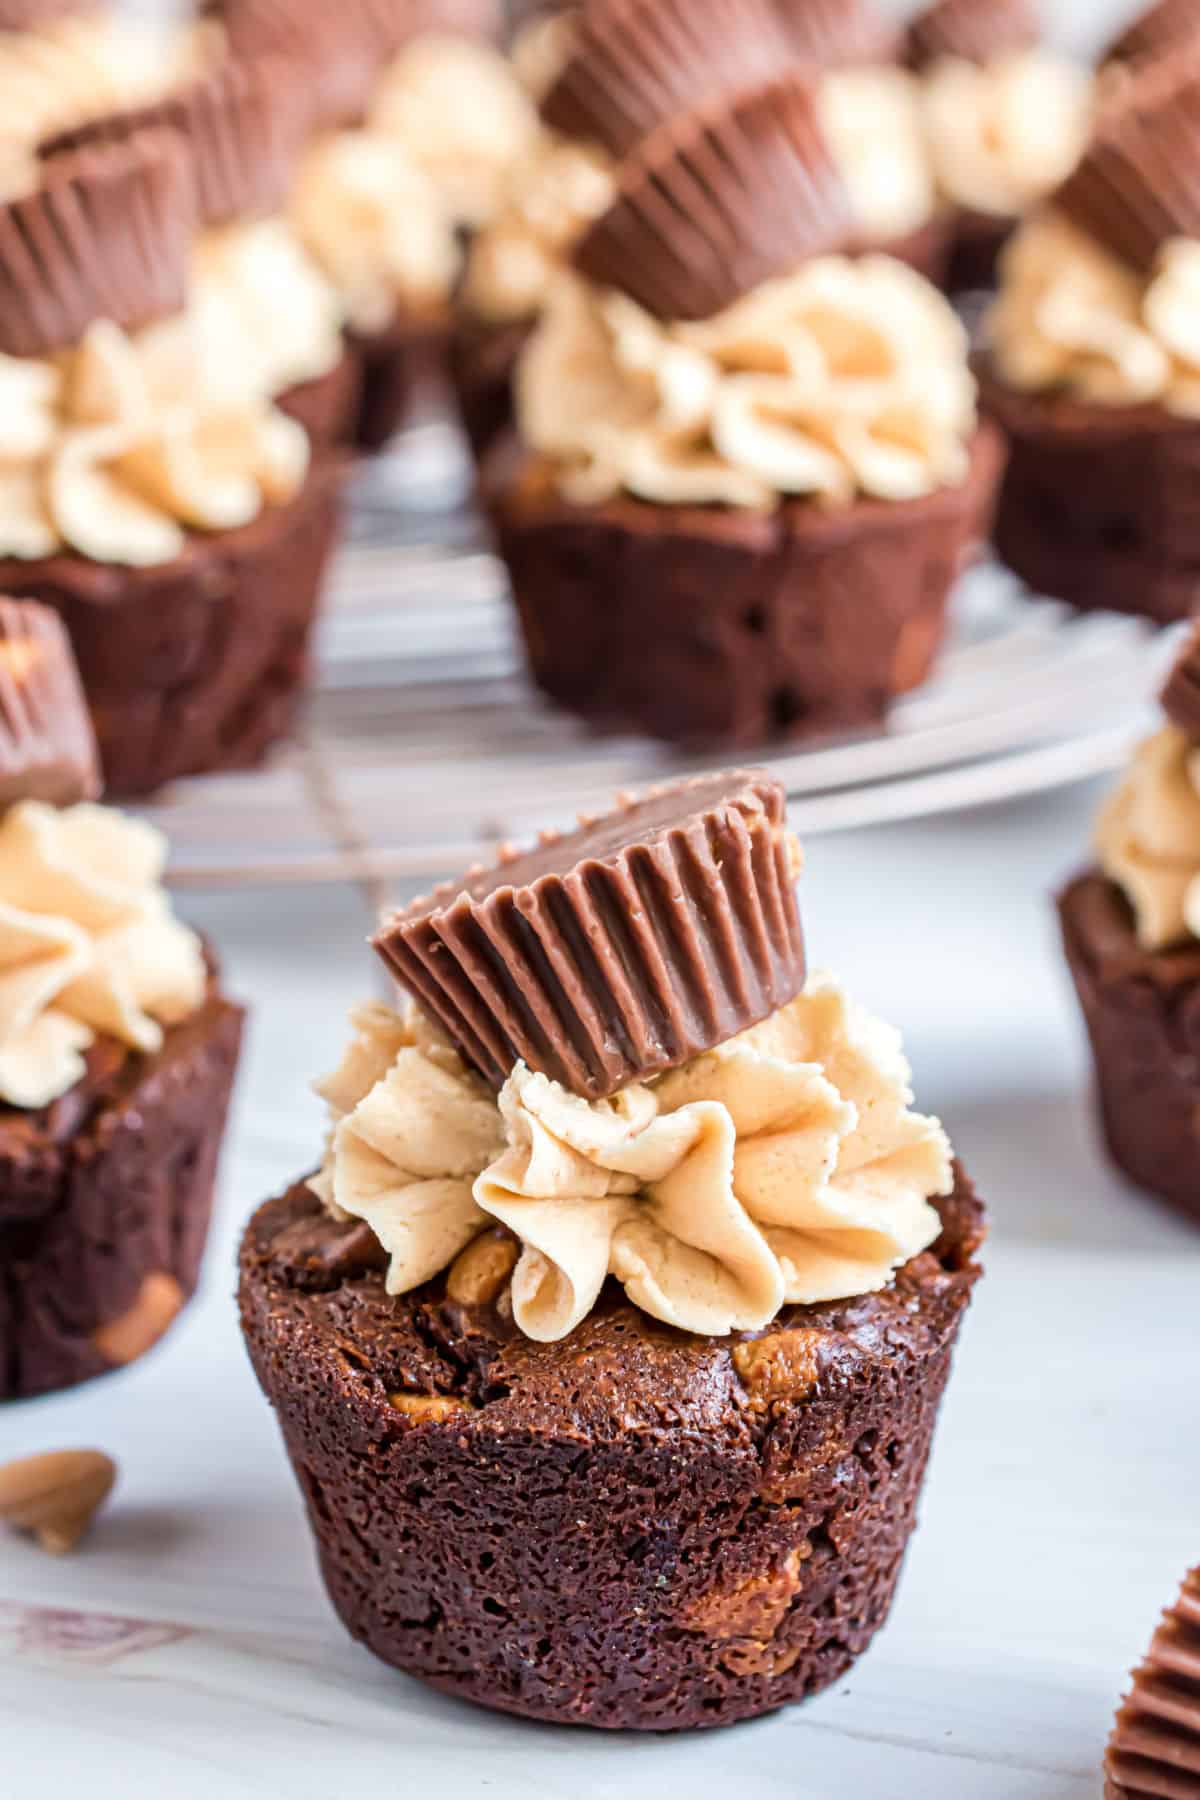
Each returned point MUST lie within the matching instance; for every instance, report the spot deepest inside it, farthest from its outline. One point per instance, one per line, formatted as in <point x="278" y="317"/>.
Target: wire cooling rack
<point x="425" y="747"/>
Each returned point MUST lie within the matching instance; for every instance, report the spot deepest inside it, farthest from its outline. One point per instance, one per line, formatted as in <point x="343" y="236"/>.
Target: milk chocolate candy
<point x="976" y="31"/>
<point x="717" y="203"/>
<point x="107" y="234"/>
<point x="636" y="64"/>
<point x="1138" y="183"/>
<point x="47" y="749"/>
<point x="602" y="957"/>
<point x="1156" y="32"/>
<point x="838" y="34"/>
<point x="1154" y="1751"/>
<point x="241" y="126"/>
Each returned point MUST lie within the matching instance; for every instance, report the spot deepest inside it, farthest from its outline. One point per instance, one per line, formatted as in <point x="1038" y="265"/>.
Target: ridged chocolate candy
<point x="107" y="235"/>
<point x="836" y="34"/>
<point x="714" y="205"/>
<point x="1138" y="183"/>
<point x="47" y="749"/>
<point x="241" y="126"/>
<point x="35" y="15"/>
<point x="635" y="64"/>
<point x="1156" y="32"/>
<point x="335" y="57"/>
<point x="976" y="31"/>
<point x="1154" y="1751"/>
<point x="1181" y="695"/>
<point x="645" y="937"/>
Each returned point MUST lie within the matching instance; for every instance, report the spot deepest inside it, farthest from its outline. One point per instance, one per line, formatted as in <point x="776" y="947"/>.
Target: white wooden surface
<point x="188" y="1650"/>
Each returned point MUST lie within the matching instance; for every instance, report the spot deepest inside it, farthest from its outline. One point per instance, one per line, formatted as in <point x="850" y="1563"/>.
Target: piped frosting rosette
<point x="784" y="1166"/>
<point x="88" y="945"/>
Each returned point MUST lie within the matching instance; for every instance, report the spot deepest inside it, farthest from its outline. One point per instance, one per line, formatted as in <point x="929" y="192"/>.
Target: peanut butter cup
<point x="1138" y="183"/>
<point x="1156" y="32"/>
<point x="1155" y="1746"/>
<point x="975" y="31"/>
<point x="34" y="15"/>
<point x="636" y="64"/>
<point x="240" y="125"/>
<point x="834" y="34"/>
<point x="641" y="939"/>
<point x="107" y="234"/>
<point x="47" y="747"/>
<point x="713" y="205"/>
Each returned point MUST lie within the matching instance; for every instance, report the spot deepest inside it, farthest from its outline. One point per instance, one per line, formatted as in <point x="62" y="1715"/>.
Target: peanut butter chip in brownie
<point x="123" y="1340"/>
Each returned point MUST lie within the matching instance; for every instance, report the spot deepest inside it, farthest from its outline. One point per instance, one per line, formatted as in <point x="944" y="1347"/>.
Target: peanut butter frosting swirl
<point x="88" y="945"/>
<point x="377" y="226"/>
<point x="118" y="448"/>
<point x="1148" y="839"/>
<point x="1073" y="317"/>
<point x="266" y="316"/>
<point x="784" y="1167"/>
<point x="871" y="118"/>
<point x="456" y="106"/>
<point x="552" y="195"/>
<point x="1004" y="134"/>
<point x="848" y="377"/>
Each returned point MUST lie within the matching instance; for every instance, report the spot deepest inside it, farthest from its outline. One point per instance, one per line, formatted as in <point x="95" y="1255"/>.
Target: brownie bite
<point x="607" y="1344"/>
<point x="1091" y="365"/>
<point x="1006" y="119"/>
<point x="1131" y="930"/>
<point x="117" y="1048"/>
<point x="748" y="467"/>
<point x="154" y="495"/>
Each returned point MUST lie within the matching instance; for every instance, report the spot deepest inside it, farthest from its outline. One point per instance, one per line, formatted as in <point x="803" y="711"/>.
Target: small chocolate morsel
<point x="714" y="204"/>
<point x="1155" y="1745"/>
<point x="639" y="940"/>
<point x="1159" y="30"/>
<point x="106" y="235"/>
<point x="47" y="746"/>
<point x="1181" y="695"/>
<point x="635" y="64"/>
<point x="838" y="34"/>
<point x="241" y="125"/>
<point x="1137" y="185"/>
<point x="976" y="31"/>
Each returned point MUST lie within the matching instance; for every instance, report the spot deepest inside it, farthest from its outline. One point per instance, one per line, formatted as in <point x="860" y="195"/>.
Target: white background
<point x="188" y="1650"/>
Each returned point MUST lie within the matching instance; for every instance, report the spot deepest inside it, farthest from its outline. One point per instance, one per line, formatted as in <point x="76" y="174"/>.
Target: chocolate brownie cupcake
<point x="716" y="531"/>
<point x="1131" y="928"/>
<point x="1092" y="369"/>
<point x="153" y="495"/>
<point x="582" y="1381"/>
<point x="117" y="1048"/>
<point x="1006" y="120"/>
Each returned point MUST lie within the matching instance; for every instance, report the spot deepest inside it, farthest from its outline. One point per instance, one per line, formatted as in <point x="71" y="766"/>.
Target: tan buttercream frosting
<point x="871" y="119"/>
<point x="456" y="106"/>
<point x="552" y="195"/>
<point x="1148" y="839"/>
<point x="119" y="447"/>
<point x="849" y="377"/>
<point x="541" y="50"/>
<point x="88" y="945"/>
<point x="1002" y="135"/>
<point x="1072" y="316"/>
<point x="784" y="1167"/>
<point x="267" y="317"/>
<point x="377" y="225"/>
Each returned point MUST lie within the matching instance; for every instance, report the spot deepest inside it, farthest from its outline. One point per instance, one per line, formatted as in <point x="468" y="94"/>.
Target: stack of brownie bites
<point x="608" y="1342"/>
<point x="748" y="467"/>
<point x="117" y="1048"/>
